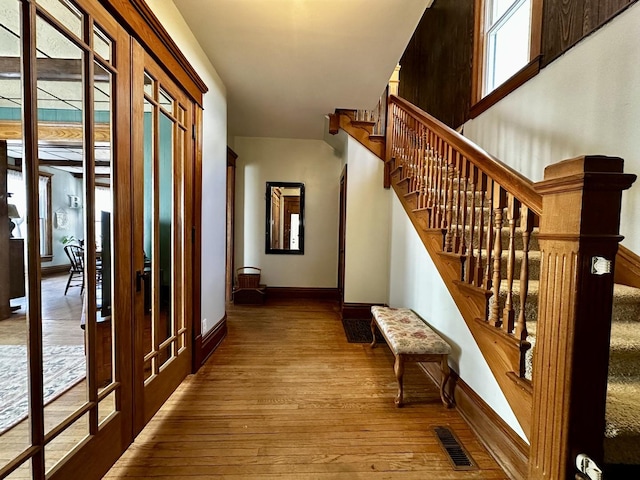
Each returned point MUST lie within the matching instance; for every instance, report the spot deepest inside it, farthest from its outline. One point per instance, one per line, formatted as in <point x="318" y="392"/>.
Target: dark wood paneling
<point x="288" y="293"/>
<point x="436" y="65"/>
<point x="566" y="22"/>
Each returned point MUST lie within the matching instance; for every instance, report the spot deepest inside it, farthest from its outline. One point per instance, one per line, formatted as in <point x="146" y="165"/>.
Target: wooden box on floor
<point x="250" y="296"/>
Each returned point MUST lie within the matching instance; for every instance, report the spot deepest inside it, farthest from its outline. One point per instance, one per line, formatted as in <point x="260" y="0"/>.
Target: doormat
<point x="63" y="367"/>
<point x="358" y="330"/>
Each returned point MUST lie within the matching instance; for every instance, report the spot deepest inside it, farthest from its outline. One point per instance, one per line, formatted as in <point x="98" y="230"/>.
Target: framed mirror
<point x="284" y="230"/>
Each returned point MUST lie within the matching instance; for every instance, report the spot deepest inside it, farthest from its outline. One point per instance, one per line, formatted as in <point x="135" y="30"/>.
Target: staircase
<point x="480" y="222"/>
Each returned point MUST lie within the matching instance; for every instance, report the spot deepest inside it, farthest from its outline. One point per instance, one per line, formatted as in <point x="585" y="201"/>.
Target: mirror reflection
<point x="285" y="218"/>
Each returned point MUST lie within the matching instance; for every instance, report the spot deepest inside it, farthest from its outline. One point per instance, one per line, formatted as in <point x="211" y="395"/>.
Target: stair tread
<point x="622" y="430"/>
<point x="623" y="406"/>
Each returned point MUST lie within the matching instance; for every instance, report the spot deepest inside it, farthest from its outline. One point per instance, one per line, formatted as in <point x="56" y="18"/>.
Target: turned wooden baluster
<point x="462" y="247"/>
<point x="437" y="164"/>
<point x="496" y="280"/>
<point x="403" y="143"/>
<point x="431" y="176"/>
<point x="411" y="171"/>
<point x="420" y="161"/>
<point x="513" y="213"/>
<point x="397" y="141"/>
<point x="458" y="200"/>
<point x="448" y="225"/>
<point x="479" y="275"/>
<point x="470" y="264"/>
<point x="423" y="172"/>
<point x="442" y="185"/>
<point x="527" y="221"/>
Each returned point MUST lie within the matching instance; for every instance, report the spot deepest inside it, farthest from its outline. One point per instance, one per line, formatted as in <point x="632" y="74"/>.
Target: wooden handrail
<point x="506" y="176"/>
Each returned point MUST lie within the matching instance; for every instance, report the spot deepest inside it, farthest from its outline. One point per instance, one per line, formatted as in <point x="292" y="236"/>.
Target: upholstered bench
<point x="411" y="339"/>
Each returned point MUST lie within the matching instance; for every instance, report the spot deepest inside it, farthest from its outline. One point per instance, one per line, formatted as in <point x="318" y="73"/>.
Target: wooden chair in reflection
<point x="76" y="272"/>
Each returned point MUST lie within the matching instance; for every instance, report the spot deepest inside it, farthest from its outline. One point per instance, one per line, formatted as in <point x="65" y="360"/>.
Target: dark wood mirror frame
<point x="272" y="244"/>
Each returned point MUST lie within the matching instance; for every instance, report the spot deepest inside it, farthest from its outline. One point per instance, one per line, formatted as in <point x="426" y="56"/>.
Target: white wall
<point x="367" y="231"/>
<point x="415" y="283"/>
<point x="585" y="102"/>
<point x="214" y="164"/>
<point x="311" y="162"/>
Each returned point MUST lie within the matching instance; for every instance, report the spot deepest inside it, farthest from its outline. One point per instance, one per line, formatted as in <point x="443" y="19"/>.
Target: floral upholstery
<point x="407" y="333"/>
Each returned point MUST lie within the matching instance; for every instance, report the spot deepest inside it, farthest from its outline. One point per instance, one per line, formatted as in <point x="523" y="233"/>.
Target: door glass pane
<point x="164" y="318"/>
<point x="148" y="234"/>
<point x="14" y="399"/>
<point x="148" y="85"/>
<point x="103" y="217"/>
<point x="61" y="114"/>
<point x="101" y="43"/>
<point x="166" y="101"/>
<point x="55" y="450"/>
<point x="67" y="13"/>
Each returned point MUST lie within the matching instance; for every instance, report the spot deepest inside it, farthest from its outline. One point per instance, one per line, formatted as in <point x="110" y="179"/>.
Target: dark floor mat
<point x="358" y="330"/>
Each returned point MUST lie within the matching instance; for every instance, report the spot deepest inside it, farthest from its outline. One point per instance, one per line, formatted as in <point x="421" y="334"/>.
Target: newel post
<point x="579" y="236"/>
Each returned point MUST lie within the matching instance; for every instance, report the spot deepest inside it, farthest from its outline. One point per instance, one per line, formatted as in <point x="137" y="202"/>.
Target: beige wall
<point x="311" y="162"/>
<point x="367" y="232"/>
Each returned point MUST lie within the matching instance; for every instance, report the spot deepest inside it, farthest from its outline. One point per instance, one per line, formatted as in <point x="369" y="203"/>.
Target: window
<point x="507" y="41"/>
<point x="508" y="30"/>
<point x="16" y="187"/>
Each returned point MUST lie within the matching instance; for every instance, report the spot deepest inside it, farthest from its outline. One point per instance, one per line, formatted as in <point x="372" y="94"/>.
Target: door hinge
<point x="193" y="131"/>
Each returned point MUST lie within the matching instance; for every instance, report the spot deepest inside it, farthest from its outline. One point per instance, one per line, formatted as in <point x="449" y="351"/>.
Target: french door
<point x="162" y="236"/>
<point x="66" y="339"/>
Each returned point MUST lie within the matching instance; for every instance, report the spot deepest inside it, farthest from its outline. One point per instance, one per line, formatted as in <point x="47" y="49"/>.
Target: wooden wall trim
<point x="283" y="293"/>
<point x="358" y="310"/>
<point x="206" y="344"/>
<point x="54" y="269"/>
<point x="143" y="24"/>
<point x="505" y="445"/>
<point x="520" y="78"/>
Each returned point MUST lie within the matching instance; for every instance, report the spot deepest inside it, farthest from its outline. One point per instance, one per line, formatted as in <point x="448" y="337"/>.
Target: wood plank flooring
<point x="61" y="316"/>
<point x="285" y="396"/>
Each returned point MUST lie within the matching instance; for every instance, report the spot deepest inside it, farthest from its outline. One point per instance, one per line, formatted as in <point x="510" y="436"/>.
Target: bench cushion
<point x="407" y="333"/>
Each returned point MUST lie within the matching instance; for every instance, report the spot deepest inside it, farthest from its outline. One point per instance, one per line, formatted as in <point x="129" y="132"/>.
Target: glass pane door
<point x="163" y="349"/>
<point x="63" y="319"/>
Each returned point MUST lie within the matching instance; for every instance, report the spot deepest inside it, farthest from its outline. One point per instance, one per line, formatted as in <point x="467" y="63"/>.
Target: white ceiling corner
<point x="288" y="63"/>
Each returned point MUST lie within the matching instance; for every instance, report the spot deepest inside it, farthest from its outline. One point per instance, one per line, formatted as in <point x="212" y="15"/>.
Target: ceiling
<point x="288" y="63"/>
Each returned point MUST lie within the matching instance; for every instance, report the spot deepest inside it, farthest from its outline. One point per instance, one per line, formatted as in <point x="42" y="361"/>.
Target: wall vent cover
<point x="458" y="456"/>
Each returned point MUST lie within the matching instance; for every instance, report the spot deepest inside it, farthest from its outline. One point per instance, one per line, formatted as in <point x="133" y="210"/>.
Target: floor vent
<point x="458" y="456"/>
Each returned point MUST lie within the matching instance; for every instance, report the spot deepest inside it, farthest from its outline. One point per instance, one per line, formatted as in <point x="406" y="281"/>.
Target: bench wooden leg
<point x="373" y="333"/>
<point x="398" y="368"/>
<point x="446" y="374"/>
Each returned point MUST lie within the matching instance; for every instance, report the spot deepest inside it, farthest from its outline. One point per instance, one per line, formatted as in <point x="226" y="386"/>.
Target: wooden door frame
<point x="230" y="228"/>
<point x="342" y="232"/>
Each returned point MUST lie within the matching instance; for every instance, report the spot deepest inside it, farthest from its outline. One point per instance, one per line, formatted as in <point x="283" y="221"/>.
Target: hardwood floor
<point x="285" y="396"/>
<point x="61" y="316"/>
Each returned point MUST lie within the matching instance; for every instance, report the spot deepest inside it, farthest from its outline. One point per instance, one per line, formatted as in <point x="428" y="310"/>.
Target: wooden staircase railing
<point x="473" y="213"/>
<point x="479" y="204"/>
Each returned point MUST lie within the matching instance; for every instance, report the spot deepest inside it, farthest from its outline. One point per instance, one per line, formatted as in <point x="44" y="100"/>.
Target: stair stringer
<point x="501" y="351"/>
<point x="361" y="131"/>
